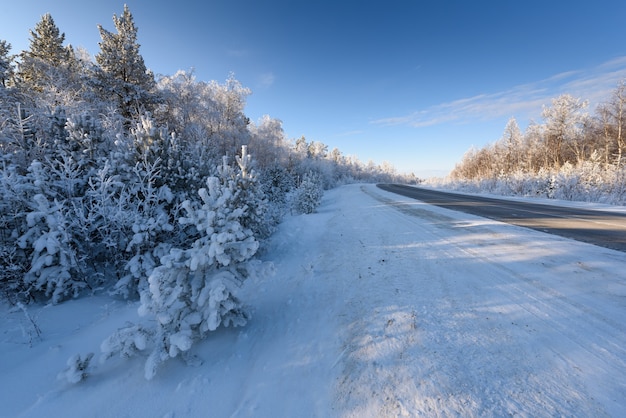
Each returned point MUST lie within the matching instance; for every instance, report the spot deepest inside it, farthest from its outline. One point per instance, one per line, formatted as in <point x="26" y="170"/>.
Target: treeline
<point x="100" y="160"/>
<point x="572" y="154"/>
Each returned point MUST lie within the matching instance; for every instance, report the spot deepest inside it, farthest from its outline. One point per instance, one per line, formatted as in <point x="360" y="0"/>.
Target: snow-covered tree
<point x="6" y="63"/>
<point x="268" y="141"/>
<point x="277" y="182"/>
<point x="124" y="73"/>
<point x="54" y="264"/>
<point x="512" y="141"/>
<point x="46" y="52"/>
<point x="564" y="121"/>
<point x="150" y="228"/>
<point x="612" y="117"/>
<point x="193" y="290"/>
<point x="229" y="124"/>
<point x="309" y="194"/>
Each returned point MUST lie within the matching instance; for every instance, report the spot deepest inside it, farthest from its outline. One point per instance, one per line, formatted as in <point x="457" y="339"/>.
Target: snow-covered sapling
<point x="309" y="194"/>
<point x="76" y="370"/>
<point x="193" y="291"/>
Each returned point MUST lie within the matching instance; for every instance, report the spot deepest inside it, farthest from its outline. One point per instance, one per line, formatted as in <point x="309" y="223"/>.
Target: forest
<point x="98" y="157"/>
<point x="571" y="154"/>
<point x="158" y="189"/>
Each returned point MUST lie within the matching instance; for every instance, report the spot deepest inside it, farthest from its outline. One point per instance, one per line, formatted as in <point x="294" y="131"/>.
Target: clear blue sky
<point x="416" y="83"/>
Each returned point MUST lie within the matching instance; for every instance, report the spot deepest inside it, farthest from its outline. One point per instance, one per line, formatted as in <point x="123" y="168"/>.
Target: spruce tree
<point x="123" y="70"/>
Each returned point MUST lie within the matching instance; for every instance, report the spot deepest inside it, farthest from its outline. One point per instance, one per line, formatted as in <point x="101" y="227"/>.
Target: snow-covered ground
<point x="380" y="306"/>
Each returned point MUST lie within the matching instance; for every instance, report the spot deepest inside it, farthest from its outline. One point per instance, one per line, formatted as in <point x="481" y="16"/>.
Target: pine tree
<point x="6" y="63"/>
<point x="54" y="262"/>
<point x="309" y="194"/>
<point x="47" y="41"/>
<point x="193" y="290"/>
<point x="124" y="72"/>
<point x="46" y="53"/>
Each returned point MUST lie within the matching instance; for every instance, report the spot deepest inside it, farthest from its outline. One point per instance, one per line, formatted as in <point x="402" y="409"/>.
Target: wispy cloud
<point x="593" y="84"/>
<point x="351" y="133"/>
<point x="266" y="80"/>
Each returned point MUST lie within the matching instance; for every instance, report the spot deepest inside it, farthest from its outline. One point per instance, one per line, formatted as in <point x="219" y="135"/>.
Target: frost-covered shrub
<point x="126" y="342"/>
<point x="276" y="183"/>
<point x="15" y="192"/>
<point x="53" y="263"/>
<point x="148" y="216"/>
<point x="84" y="137"/>
<point x="587" y="181"/>
<point x="193" y="291"/>
<point x="309" y="194"/>
<point x="76" y="370"/>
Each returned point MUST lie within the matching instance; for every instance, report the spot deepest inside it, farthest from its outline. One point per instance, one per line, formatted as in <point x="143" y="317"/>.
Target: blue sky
<point x="415" y="83"/>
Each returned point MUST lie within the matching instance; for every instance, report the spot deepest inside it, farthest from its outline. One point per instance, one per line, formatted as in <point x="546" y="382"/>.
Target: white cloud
<point x="593" y="84"/>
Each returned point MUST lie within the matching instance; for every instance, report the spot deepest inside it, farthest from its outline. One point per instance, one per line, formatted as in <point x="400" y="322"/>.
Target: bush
<point x="309" y="194"/>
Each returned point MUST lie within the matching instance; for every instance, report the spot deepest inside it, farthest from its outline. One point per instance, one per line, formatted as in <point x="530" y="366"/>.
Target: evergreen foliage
<point x="45" y="54"/>
<point x="309" y="193"/>
<point x="193" y="290"/>
<point x="6" y="64"/>
<point x="122" y="69"/>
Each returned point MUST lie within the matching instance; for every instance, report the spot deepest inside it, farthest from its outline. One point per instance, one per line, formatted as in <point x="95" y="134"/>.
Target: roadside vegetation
<point x="571" y="154"/>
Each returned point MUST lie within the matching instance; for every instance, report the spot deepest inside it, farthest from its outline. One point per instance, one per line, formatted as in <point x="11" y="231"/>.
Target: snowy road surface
<point x="381" y="306"/>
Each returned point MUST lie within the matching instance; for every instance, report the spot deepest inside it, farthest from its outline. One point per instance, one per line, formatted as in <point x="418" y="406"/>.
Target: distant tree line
<point x="571" y="154"/>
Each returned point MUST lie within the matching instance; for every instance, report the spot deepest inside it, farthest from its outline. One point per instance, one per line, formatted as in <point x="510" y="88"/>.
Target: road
<point x="605" y="229"/>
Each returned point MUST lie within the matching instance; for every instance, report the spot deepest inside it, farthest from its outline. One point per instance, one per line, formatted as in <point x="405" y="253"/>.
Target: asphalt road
<point x="605" y="229"/>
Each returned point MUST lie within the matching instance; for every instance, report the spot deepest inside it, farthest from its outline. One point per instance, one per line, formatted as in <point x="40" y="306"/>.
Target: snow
<point x="380" y="306"/>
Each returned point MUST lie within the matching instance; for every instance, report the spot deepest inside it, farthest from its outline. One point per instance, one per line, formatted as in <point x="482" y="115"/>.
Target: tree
<point x="564" y="121"/>
<point x="46" y="53"/>
<point x="268" y="141"/>
<point x="613" y="120"/>
<point x="124" y="73"/>
<point x="194" y="290"/>
<point x="7" y="101"/>
<point x="512" y="139"/>
<point x="309" y="194"/>
<point x="619" y="101"/>
<point x="6" y="63"/>
<point x="535" y="154"/>
<point x="230" y="128"/>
